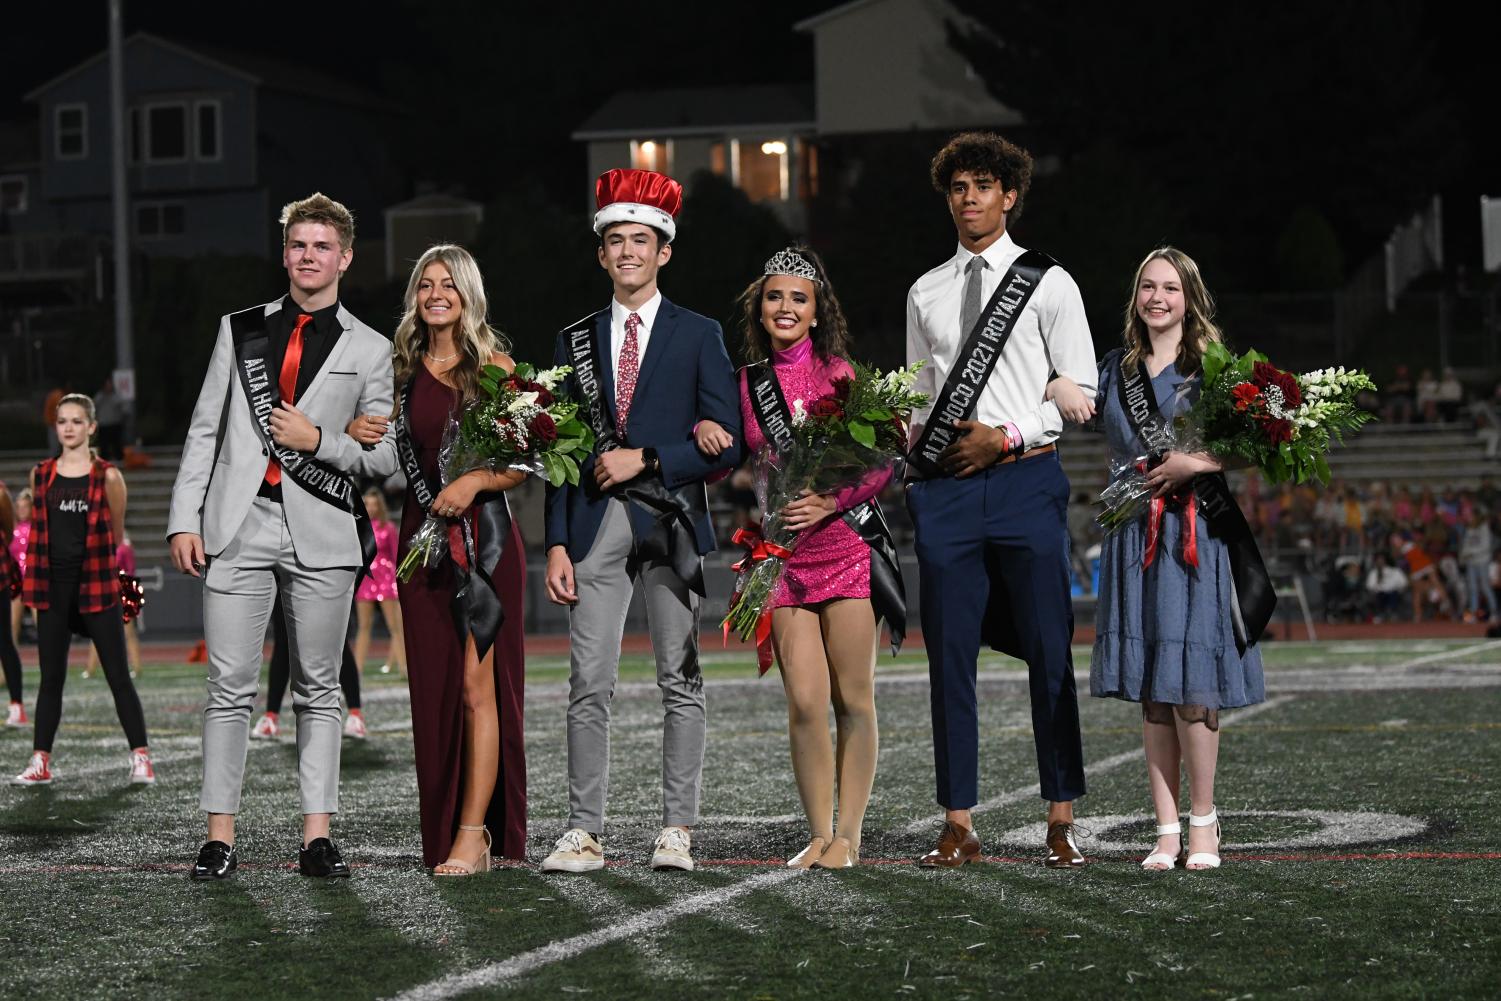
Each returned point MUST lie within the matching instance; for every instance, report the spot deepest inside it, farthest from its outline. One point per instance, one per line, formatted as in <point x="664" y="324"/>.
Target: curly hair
<point x="318" y="207"/>
<point x="984" y="153"/>
<point x="476" y="340"/>
<point x="1199" y="327"/>
<point x="830" y="337"/>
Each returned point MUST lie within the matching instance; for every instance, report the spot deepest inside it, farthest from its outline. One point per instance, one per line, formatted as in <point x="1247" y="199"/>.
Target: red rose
<point x="543" y="429"/>
<point x="1264" y="375"/>
<point x="1279" y="431"/>
<point x="1244" y="394"/>
<point x="842" y="388"/>
<point x="826" y="406"/>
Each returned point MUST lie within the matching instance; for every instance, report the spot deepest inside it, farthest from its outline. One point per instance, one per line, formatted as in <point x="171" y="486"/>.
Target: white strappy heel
<point x="1163" y="859"/>
<point x="1205" y="860"/>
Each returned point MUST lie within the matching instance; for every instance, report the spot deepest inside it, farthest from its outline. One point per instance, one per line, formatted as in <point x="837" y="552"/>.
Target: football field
<point x="1360" y="803"/>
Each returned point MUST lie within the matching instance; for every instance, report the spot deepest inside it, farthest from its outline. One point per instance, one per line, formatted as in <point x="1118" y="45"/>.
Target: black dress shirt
<point x="318" y="340"/>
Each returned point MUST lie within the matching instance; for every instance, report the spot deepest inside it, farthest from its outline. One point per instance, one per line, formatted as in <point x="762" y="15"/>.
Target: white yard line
<point x="569" y="948"/>
<point x="1450" y="654"/>
<point x="1097" y="768"/>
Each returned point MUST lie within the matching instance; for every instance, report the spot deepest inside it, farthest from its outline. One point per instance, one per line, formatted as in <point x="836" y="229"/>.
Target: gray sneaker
<point x="576" y="851"/>
<point x="673" y="850"/>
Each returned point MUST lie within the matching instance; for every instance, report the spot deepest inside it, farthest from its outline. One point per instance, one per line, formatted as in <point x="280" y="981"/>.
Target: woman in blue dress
<point x="1165" y="634"/>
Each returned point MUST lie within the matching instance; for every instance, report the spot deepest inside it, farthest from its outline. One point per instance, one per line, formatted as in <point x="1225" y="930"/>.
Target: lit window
<point x="155" y="219"/>
<point x="763" y="170"/>
<point x="71" y="139"/>
<point x="13" y="194"/>
<point x="652" y="154"/>
<point x="166" y="133"/>
<point x="208" y="130"/>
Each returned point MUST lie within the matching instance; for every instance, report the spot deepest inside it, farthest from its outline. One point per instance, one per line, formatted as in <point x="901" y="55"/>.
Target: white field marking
<point x="1449" y="654"/>
<point x="648" y="921"/>
<point x="1329" y="830"/>
<point x="650" y="819"/>
<point x="1109" y="764"/>
<point x="65" y="775"/>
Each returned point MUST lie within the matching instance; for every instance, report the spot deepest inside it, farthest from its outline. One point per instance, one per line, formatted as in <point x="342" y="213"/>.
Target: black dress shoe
<point x="322" y="859"/>
<point x="216" y="860"/>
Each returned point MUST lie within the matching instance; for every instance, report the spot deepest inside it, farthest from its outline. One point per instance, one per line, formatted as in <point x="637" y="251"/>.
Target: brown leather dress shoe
<point x="1063" y="853"/>
<point x="956" y="846"/>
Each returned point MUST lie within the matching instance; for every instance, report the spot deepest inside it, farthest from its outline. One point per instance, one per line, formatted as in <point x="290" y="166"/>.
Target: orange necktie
<point x="288" y="383"/>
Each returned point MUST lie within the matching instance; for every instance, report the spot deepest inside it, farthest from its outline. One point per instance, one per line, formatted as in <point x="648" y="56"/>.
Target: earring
<point x="815" y="323"/>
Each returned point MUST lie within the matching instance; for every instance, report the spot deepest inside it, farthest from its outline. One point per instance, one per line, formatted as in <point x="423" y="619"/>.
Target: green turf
<point x="96" y="903"/>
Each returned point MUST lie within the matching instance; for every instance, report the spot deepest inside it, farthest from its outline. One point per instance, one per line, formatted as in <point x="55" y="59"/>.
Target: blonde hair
<point x="79" y="400"/>
<point x="1199" y="327"/>
<point x="380" y="502"/>
<point x="318" y="207"/>
<point x="477" y="341"/>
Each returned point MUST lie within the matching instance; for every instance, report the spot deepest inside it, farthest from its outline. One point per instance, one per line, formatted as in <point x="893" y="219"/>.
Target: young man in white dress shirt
<point x="989" y="498"/>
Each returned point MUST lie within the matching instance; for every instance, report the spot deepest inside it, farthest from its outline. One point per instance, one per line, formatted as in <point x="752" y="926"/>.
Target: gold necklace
<point x="438" y="361"/>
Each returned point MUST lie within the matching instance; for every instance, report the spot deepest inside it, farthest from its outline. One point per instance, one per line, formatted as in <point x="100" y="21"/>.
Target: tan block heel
<point x="462" y="868"/>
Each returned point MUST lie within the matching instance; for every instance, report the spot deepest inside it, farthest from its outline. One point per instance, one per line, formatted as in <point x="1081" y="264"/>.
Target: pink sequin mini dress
<point x="830" y="560"/>
<point x="380" y="583"/>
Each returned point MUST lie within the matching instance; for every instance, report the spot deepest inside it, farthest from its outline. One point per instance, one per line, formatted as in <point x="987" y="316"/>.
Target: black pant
<point x="53" y="637"/>
<point x="10" y="660"/>
<point x="281" y="666"/>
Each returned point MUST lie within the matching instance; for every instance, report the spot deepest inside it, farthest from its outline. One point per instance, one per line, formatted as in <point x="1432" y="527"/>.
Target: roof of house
<point x="818" y="20"/>
<point x="699" y="111"/>
<point x="270" y="72"/>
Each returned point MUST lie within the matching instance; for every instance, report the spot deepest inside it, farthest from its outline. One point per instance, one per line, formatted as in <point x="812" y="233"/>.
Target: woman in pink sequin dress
<point x="823" y="628"/>
<point x="378" y="590"/>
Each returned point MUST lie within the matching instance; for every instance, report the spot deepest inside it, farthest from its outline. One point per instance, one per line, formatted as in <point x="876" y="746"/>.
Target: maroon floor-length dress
<point x="435" y="664"/>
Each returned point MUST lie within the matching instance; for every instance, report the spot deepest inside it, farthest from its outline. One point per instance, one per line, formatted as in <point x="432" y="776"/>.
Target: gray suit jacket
<point x="212" y="499"/>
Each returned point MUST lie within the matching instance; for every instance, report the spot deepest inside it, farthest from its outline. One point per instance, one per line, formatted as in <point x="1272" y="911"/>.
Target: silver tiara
<point x="790" y="262"/>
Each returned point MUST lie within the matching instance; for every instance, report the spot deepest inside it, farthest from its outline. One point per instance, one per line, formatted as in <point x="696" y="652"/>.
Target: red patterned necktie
<point x="288" y="383"/>
<point x="625" y="379"/>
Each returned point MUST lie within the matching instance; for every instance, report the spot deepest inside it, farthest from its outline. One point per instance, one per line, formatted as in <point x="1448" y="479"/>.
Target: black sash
<point x="672" y="539"/>
<point x="1255" y="598"/>
<point x="888" y="593"/>
<point x="330" y="485"/>
<point x="475" y="608"/>
<point x="977" y="359"/>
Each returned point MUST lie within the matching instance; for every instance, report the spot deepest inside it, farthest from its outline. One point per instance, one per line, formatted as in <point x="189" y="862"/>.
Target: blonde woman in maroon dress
<point x="823" y="626"/>
<point x="465" y="659"/>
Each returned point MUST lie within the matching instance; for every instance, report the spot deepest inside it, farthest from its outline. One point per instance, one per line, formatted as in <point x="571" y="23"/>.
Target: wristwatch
<point x="650" y="461"/>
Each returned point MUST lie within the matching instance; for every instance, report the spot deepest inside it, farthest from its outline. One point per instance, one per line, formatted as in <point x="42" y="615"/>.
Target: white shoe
<point x="576" y="851"/>
<point x="141" y="772"/>
<point x="673" y="850"/>
<point x="265" y="728"/>
<point x="16" y="716"/>
<point x="1162" y="861"/>
<point x="385" y="669"/>
<point x="354" y="726"/>
<point x="1205" y="860"/>
<point x="38" y="771"/>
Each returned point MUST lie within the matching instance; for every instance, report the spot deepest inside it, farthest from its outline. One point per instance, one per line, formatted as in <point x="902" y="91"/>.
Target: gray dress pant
<point x="604" y="580"/>
<point x="239" y="590"/>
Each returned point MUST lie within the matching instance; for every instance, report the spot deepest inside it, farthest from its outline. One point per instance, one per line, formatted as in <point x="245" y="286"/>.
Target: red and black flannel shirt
<point x="99" y="580"/>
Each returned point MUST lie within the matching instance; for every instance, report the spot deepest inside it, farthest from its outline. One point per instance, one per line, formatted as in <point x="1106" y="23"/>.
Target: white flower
<point x="552" y="376"/>
<point x="522" y="402"/>
<point x="798" y="413"/>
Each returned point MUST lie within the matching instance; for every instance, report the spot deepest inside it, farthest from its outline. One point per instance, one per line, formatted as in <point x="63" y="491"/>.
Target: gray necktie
<point x="969" y="314"/>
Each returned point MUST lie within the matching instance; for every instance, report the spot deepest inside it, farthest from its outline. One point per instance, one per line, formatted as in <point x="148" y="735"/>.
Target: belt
<point x="1029" y="454"/>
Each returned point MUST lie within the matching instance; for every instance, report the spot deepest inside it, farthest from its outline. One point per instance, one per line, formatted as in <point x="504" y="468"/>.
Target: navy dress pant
<point x="1001" y="529"/>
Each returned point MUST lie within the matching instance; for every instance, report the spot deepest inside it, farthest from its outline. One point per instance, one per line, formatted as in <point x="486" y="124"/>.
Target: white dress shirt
<point x="1050" y="335"/>
<point x="618" y="315"/>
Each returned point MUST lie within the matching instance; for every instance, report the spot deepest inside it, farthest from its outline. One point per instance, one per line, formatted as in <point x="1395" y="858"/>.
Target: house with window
<point x="758" y="136"/>
<point x="881" y="68"/>
<point x="216" y="143"/>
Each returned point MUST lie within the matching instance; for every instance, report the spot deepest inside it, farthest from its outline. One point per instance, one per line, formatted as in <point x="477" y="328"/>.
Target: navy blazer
<point x="685" y="377"/>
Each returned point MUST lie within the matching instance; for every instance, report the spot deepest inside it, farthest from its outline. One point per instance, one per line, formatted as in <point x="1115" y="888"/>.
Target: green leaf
<point x="524" y="370"/>
<point x="571" y="469"/>
<point x="862" y="432"/>
<point x="552" y="464"/>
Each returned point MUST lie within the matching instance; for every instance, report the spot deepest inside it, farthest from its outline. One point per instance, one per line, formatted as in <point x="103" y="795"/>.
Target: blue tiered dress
<point x="1165" y="634"/>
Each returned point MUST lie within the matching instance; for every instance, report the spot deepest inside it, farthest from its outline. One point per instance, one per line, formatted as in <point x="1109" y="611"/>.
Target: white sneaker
<point x="16" y="716"/>
<point x="265" y="728"/>
<point x="673" y="850"/>
<point x="141" y="772"/>
<point x="354" y="726"/>
<point x="38" y="772"/>
<point x="576" y="851"/>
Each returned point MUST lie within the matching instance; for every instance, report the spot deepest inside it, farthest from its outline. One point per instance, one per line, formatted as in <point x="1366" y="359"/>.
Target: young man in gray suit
<point x="264" y="501"/>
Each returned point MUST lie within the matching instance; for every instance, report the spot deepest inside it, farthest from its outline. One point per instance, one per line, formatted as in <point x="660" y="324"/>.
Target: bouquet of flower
<point x="856" y="431"/>
<point x="517" y="422"/>
<point x="1280" y="423"/>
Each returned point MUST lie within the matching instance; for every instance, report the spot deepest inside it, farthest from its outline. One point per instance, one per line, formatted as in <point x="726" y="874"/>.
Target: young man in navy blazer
<point x="652" y="371"/>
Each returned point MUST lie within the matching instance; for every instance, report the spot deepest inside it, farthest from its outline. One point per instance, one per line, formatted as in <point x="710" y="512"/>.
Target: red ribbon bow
<point x="1155" y="510"/>
<point x="758" y="550"/>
